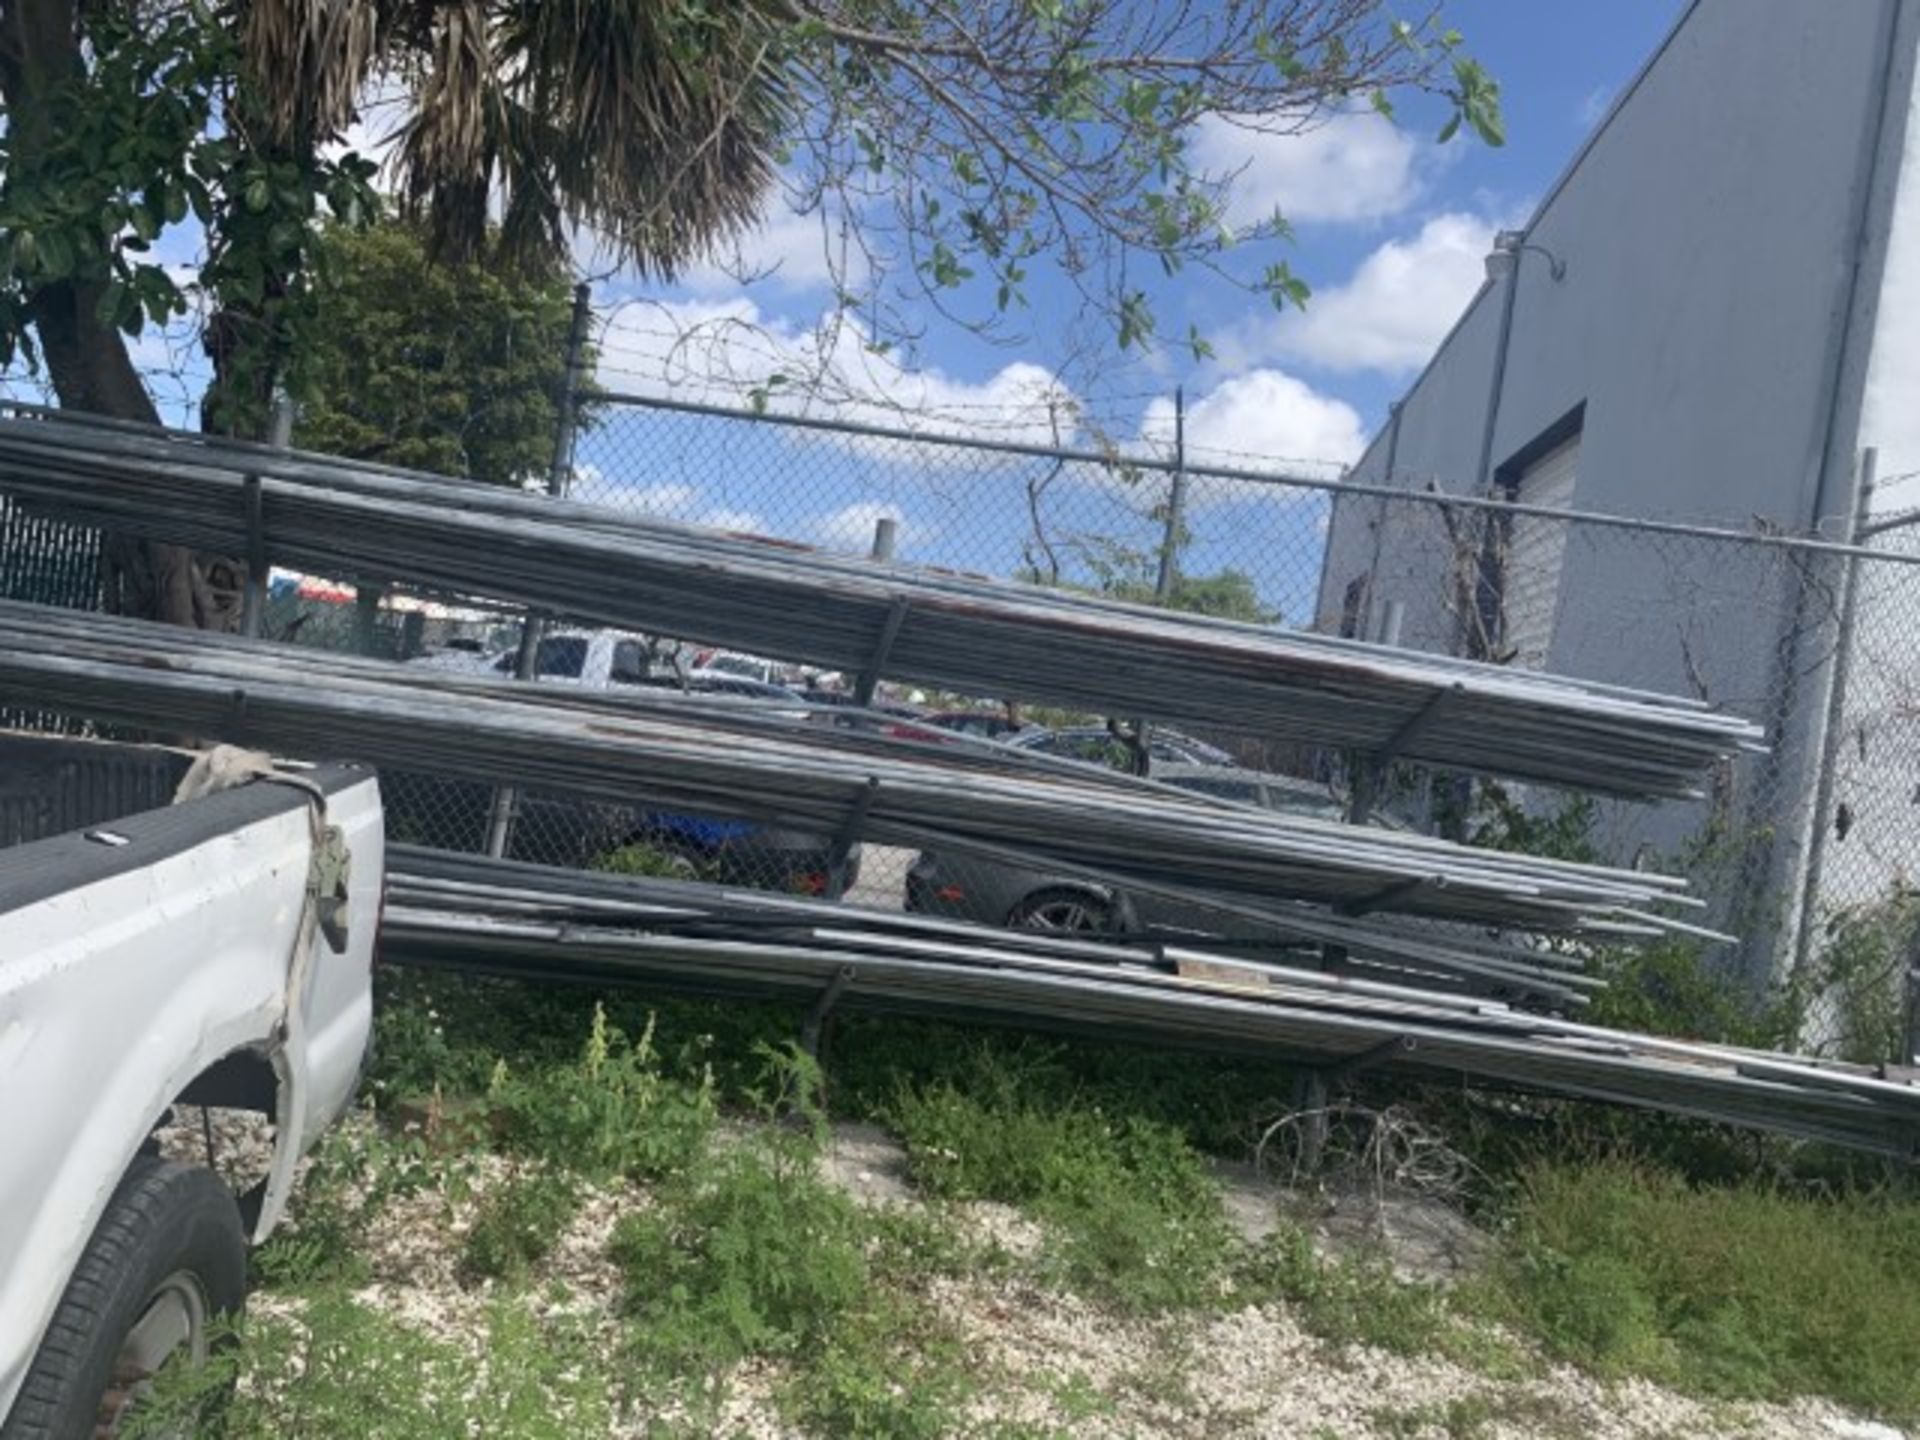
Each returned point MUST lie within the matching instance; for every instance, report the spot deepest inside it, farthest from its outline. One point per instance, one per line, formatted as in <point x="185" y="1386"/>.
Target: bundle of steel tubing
<point x="675" y="753"/>
<point x="975" y="635"/>
<point x="503" y="918"/>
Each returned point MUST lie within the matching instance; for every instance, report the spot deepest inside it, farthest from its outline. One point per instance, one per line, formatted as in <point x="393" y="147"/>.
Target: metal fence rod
<point x="1834" y="720"/>
<point x="253" y="593"/>
<point x="1345" y="486"/>
<point x="969" y="633"/>
<point x="481" y="916"/>
<point x="559" y="481"/>
<point x="1169" y="575"/>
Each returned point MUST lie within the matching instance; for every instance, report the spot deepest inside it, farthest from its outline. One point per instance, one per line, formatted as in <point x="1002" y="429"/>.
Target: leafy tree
<point x="956" y="146"/>
<point x="1230" y="595"/>
<point x="455" y="367"/>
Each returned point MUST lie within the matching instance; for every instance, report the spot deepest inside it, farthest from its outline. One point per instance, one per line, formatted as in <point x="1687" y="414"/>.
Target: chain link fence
<point x="1791" y="847"/>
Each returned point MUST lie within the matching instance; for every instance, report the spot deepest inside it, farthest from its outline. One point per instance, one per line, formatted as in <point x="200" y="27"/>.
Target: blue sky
<point x="1390" y="230"/>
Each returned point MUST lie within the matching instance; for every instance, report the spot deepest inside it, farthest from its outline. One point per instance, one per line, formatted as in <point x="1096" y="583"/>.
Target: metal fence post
<point x="253" y="591"/>
<point x="1847" y="602"/>
<point x="559" y="481"/>
<point x="1176" y="503"/>
<point x="886" y="535"/>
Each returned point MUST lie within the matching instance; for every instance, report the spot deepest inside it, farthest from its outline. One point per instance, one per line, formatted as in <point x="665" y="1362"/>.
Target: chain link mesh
<point x="1752" y="623"/>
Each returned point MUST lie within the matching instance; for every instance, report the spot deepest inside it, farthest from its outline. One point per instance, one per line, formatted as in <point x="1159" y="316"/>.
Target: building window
<point x="1353" y="607"/>
<point x="1530" y="549"/>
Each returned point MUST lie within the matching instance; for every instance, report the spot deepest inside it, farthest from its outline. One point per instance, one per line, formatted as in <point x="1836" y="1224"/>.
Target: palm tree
<point x="650" y="122"/>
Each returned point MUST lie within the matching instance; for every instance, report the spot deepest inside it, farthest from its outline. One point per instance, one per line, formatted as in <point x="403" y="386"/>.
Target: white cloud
<point x="1356" y="166"/>
<point x="723" y="518"/>
<point x="787" y="250"/>
<point x="722" y="351"/>
<point x="1397" y="306"/>
<point x="1594" y="106"/>
<point x="668" y="500"/>
<point x="1264" y="419"/>
<point x="851" y="527"/>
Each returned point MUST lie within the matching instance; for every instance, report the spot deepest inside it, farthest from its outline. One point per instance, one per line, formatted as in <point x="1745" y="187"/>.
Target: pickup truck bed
<point x="152" y="955"/>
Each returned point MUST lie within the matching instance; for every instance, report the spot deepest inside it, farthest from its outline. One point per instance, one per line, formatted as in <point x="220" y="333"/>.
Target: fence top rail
<point x="1113" y="459"/>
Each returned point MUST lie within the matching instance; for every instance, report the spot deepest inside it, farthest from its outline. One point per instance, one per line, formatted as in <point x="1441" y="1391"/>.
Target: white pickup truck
<point x="155" y="956"/>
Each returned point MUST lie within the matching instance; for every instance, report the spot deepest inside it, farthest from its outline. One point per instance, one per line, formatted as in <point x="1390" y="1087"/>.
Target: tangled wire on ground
<point x="1376" y="1152"/>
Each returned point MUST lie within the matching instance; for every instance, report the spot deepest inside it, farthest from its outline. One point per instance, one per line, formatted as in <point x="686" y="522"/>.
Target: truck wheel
<point x="167" y="1257"/>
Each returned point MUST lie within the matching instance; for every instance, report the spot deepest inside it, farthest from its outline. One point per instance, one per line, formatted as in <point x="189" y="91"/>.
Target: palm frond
<point x="651" y="121"/>
<point x="308" y="61"/>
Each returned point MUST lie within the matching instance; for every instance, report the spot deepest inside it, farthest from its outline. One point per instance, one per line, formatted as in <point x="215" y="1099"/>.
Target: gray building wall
<point x="1713" y="321"/>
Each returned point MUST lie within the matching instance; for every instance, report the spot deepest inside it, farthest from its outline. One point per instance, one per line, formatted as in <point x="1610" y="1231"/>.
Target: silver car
<point x="996" y="893"/>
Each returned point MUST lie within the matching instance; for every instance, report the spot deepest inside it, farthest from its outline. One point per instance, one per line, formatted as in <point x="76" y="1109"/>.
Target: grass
<point x="1742" y="1291"/>
<point x="338" y="1367"/>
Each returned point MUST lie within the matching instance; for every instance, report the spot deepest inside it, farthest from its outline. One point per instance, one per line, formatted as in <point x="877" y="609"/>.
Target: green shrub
<point x="1737" y="1290"/>
<point x="611" y="1112"/>
<point x="759" y="1256"/>
<point x="517" y="1225"/>
<point x="651" y="861"/>
<point x="1136" y="1214"/>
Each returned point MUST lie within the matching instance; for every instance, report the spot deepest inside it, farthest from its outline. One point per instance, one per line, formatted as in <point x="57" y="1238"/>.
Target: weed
<point x="517" y="1224"/>
<point x="1345" y="1301"/>
<point x="759" y="1257"/>
<point x="752" y="1253"/>
<point x="341" y="1368"/>
<point x="1137" y="1215"/>
<point x="354" y="1172"/>
<point x="610" y="1112"/>
<point x="651" y="860"/>
<point x="888" y="1372"/>
<point x="1217" y="1102"/>
<point x="1741" y="1291"/>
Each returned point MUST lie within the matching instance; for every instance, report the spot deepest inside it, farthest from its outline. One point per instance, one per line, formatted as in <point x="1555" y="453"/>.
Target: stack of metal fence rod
<point x="666" y="751"/>
<point x="503" y="918"/>
<point x="975" y="635"/>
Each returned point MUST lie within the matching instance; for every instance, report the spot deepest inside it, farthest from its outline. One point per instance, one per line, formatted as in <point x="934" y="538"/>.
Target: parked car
<point x="747" y="667"/>
<point x="153" y="955"/>
<point x="553" y="828"/>
<point x="965" y="887"/>
<point x="1100" y="746"/>
<point x="985" y="724"/>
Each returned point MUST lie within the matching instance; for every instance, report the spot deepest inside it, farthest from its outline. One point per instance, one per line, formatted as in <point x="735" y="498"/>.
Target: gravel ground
<point x="1053" y="1361"/>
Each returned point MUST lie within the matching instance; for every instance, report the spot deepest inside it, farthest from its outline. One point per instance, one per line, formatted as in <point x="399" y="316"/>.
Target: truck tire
<point x="167" y="1257"/>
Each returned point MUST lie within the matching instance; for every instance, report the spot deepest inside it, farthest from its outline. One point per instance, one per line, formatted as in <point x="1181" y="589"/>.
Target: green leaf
<point x="1136" y="320"/>
<point x="56" y="255"/>
<point x="107" y="309"/>
<point x="1449" y="130"/>
<point x="258" y="194"/>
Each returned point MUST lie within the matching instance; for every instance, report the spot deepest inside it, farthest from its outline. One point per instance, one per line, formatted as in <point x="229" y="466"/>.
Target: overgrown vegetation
<point x="1136" y="1216"/>
<point x="337" y="1367"/>
<point x="1625" y="1246"/>
<point x="1744" y="1290"/>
